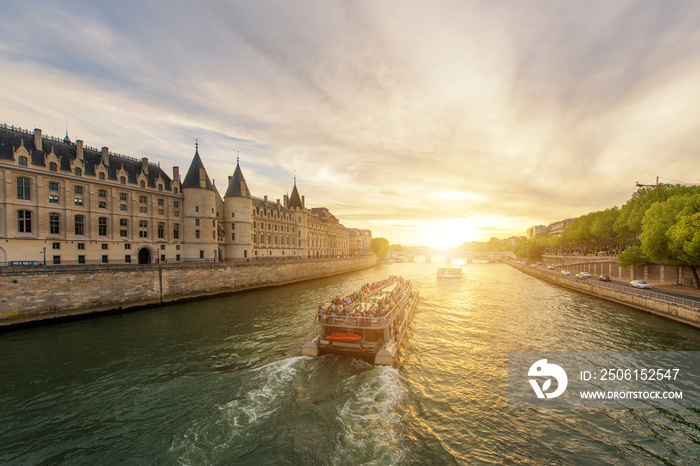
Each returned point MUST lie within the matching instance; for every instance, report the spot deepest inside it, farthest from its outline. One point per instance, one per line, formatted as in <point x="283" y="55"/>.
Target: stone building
<point x="62" y="202"/>
<point x="360" y="241"/>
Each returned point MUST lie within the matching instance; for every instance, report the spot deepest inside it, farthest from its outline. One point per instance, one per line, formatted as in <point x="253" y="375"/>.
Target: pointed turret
<point x="197" y="175"/>
<point x="295" y="201"/>
<point x="237" y="186"/>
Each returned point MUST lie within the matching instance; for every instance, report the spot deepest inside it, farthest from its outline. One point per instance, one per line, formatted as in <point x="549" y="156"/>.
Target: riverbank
<point x="678" y="312"/>
<point x="32" y="294"/>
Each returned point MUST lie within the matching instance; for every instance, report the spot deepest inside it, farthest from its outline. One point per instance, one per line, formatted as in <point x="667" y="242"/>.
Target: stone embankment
<point x="646" y="301"/>
<point x="38" y="293"/>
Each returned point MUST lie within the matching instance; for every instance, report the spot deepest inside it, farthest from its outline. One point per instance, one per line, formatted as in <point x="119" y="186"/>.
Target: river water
<point x="222" y="381"/>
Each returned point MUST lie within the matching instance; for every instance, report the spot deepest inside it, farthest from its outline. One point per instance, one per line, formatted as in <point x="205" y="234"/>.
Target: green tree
<point x="671" y="232"/>
<point x="632" y="257"/>
<point x="380" y="247"/>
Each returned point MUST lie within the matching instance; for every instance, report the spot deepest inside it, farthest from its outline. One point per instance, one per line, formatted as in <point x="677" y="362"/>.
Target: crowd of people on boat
<point x="352" y="306"/>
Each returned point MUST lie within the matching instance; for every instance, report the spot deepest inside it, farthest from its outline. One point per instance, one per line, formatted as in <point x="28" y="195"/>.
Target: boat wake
<point x="370" y="424"/>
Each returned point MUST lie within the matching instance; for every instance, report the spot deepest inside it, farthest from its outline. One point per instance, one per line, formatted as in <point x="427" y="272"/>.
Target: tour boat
<point x="369" y="324"/>
<point x="449" y="272"/>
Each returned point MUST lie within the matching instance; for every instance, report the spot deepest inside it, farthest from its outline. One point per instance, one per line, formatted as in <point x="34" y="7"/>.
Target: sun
<point x="448" y="233"/>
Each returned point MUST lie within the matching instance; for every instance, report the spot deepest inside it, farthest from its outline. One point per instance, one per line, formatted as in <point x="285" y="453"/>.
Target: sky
<point x="429" y="123"/>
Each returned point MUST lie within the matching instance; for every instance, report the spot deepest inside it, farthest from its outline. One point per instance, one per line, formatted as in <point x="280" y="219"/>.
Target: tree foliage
<point x="380" y="247"/>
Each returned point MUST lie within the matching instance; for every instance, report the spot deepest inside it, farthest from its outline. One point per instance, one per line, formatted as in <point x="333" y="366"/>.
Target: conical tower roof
<point x="192" y="179"/>
<point x="238" y="187"/>
<point x="295" y="199"/>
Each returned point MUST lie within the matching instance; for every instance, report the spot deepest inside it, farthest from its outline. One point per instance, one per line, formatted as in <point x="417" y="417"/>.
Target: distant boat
<point x="449" y="272"/>
<point x="369" y="324"/>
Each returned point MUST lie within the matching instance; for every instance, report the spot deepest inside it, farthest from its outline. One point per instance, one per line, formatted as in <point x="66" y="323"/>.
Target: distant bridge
<point x="432" y="255"/>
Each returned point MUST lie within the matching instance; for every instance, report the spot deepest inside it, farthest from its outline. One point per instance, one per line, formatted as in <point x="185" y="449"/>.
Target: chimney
<point x="144" y="165"/>
<point x="265" y="198"/>
<point x="79" y="149"/>
<point x="176" y="173"/>
<point x="286" y="201"/>
<point x="229" y="179"/>
<point x="278" y="202"/>
<point x="303" y="202"/>
<point x="105" y="155"/>
<point x="37" y="139"/>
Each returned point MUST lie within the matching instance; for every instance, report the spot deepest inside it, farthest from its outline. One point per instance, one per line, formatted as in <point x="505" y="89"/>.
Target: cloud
<point x="527" y="113"/>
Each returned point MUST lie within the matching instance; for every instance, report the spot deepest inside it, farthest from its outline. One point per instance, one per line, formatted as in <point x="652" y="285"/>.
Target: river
<point x="222" y="381"/>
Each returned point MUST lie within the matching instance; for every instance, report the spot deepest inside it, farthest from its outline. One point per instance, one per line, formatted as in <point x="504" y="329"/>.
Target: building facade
<point x="62" y="202"/>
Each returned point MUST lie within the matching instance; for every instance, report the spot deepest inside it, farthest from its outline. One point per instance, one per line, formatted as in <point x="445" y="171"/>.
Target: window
<point x="24" y="188"/>
<point x="177" y="257"/>
<point x="143" y="232"/>
<point x="53" y="225"/>
<point x="160" y="211"/>
<point x="53" y="167"/>
<point x="122" y="196"/>
<point x="78" y="190"/>
<point x="53" y="198"/>
<point x="143" y="209"/>
<point x="105" y="259"/>
<point x="78" y="201"/>
<point x="122" y="207"/>
<point x="53" y="186"/>
<point x="196" y="234"/>
<point x="22" y="161"/>
<point x="161" y="202"/>
<point x="177" y="213"/>
<point x="102" y="193"/>
<point x="102" y="176"/>
<point x="80" y="225"/>
<point x="196" y="222"/>
<point x="102" y="204"/>
<point x="161" y="230"/>
<point x="127" y="246"/>
<point x="162" y="247"/>
<point x="81" y="259"/>
<point x="24" y="221"/>
<point x="56" y="246"/>
<point x="176" y="231"/>
<point x="102" y="226"/>
<point x="142" y="184"/>
<point x="78" y="171"/>
<point x="127" y="259"/>
<point x="160" y="187"/>
<point x="81" y="245"/>
<point x="201" y="254"/>
<point x="176" y="204"/>
<point x="122" y="180"/>
<point x="196" y="208"/>
<point x="233" y="237"/>
<point x="105" y="246"/>
<point x="57" y="260"/>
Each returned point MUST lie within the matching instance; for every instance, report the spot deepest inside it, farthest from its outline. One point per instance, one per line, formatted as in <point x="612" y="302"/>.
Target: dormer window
<point x="78" y="171"/>
<point x="122" y="180"/>
<point x="143" y="184"/>
<point x="53" y="167"/>
<point x="22" y="161"/>
<point x="102" y="176"/>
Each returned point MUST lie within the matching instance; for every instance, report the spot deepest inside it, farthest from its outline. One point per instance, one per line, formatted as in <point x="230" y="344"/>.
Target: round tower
<point x="238" y="217"/>
<point x="199" y="213"/>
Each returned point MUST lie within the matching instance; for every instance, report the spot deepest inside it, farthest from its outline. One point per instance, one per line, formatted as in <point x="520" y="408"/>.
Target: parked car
<point x="639" y="284"/>
<point x="604" y="278"/>
<point x="565" y="272"/>
<point x="584" y="275"/>
<point x="550" y="267"/>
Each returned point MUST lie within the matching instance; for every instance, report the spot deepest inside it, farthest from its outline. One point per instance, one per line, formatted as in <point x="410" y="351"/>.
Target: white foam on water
<point x="263" y="391"/>
<point x="370" y="430"/>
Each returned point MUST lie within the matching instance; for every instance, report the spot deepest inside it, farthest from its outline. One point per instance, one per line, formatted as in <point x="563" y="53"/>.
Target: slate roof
<point x="66" y="151"/>
<point x="192" y="177"/>
<point x="234" y="187"/>
<point x="295" y="199"/>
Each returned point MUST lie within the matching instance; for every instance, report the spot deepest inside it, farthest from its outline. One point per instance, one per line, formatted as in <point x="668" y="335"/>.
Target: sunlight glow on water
<point x="222" y="381"/>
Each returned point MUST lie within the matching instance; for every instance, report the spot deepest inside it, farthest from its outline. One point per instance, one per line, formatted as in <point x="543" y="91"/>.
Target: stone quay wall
<point x="674" y="311"/>
<point x="38" y="293"/>
<point x="652" y="272"/>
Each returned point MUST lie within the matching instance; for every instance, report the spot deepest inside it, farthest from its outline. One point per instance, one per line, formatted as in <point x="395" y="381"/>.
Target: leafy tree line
<point x="661" y="223"/>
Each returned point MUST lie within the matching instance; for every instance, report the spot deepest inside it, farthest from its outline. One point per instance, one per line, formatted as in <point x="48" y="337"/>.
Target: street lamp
<point x="44" y="251"/>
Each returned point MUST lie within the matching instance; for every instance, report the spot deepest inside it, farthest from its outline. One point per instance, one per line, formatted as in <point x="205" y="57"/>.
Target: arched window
<point x="23" y="161"/>
<point x="78" y="171"/>
<point x="53" y="167"/>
